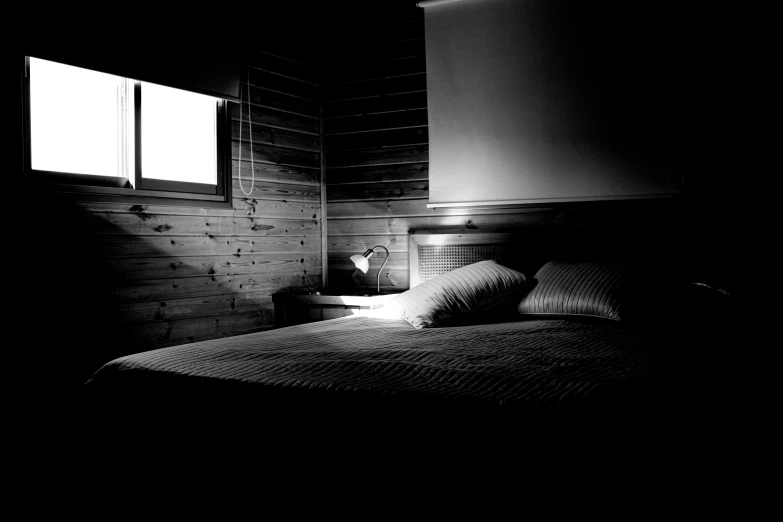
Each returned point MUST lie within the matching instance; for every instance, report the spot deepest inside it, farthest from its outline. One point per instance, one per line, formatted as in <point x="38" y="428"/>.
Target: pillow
<point x="460" y="295"/>
<point x="589" y="288"/>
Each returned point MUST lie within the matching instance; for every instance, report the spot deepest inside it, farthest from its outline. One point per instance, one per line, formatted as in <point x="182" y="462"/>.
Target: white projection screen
<point x="535" y="101"/>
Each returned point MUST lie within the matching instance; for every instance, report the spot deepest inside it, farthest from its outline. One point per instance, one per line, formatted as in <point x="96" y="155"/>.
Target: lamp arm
<point x="383" y="265"/>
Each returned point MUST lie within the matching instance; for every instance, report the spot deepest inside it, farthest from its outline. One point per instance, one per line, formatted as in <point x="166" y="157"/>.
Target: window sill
<point x="143" y="197"/>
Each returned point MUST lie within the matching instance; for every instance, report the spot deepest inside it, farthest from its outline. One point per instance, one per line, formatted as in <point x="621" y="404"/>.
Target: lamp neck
<point x="378" y="285"/>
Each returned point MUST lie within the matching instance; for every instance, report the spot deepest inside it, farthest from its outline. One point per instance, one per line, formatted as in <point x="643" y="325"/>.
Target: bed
<point x="485" y="327"/>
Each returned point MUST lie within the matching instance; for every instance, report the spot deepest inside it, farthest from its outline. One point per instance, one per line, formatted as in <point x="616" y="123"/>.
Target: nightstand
<point x="292" y="308"/>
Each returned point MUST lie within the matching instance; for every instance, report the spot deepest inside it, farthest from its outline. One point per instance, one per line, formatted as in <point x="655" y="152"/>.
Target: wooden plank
<point x="281" y="101"/>
<point x="275" y="118"/>
<point x="277" y="155"/>
<point x="275" y="64"/>
<point x="375" y="191"/>
<point x="149" y="246"/>
<point x="350" y="72"/>
<point x="193" y="307"/>
<point x="261" y="208"/>
<point x="141" y="334"/>
<point x="357" y="158"/>
<point x="350" y="245"/>
<point x="376" y="139"/>
<point x="385" y="207"/>
<point x="163" y="289"/>
<point x="418" y="207"/>
<point x="172" y="225"/>
<point x="271" y="172"/>
<point x="277" y="191"/>
<point x="402" y="172"/>
<point x="376" y="104"/>
<point x="397" y="261"/>
<point x="127" y="268"/>
<point x="273" y="136"/>
<point x="385" y="120"/>
<point x="402" y="225"/>
<point x="243" y="208"/>
<point x="283" y="84"/>
<point x="381" y="86"/>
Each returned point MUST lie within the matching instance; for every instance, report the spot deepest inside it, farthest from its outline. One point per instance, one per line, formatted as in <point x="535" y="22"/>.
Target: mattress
<point x="538" y="364"/>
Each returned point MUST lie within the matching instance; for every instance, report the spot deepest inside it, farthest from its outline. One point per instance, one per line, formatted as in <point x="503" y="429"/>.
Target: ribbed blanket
<point x="542" y="363"/>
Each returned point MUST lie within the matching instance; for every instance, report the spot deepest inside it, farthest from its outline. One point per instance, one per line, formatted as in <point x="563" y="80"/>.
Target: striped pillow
<point x="460" y="295"/>
<point x="591" y="289"/>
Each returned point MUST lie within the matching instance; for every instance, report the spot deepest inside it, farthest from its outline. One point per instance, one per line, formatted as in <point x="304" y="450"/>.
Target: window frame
<point x="150" y="191"/>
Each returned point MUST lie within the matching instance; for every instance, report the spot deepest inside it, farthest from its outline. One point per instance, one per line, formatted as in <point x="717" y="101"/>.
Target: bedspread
<point x="541" y="363"/>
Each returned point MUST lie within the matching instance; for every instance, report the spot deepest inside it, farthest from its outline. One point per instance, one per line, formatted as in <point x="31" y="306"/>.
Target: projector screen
<point x="549" y="100"/>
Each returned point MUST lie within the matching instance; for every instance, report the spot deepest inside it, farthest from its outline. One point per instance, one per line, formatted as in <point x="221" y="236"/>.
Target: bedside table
<point x="292" y="308"/>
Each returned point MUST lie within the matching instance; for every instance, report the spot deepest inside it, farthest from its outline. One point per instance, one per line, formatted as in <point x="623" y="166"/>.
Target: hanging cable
<point x="250" y="129"/>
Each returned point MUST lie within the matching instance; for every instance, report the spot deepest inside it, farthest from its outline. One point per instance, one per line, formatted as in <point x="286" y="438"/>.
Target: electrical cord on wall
<point x="250" y="128"/>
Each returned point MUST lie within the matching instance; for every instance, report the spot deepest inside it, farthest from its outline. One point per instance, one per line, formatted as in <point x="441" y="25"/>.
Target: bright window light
<point x="178" y="135"/>
<point x="74" y="119"/>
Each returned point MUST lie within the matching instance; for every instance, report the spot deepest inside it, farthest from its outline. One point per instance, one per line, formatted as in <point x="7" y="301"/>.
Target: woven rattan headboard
<point x="526" y="249"/>
<point x="432" y="253"/>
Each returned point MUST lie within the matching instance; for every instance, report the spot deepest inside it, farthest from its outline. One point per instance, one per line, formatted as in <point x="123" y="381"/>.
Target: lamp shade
<point x="361" y="262"/>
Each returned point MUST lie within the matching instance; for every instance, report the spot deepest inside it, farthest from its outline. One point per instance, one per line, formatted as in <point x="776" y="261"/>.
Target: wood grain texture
<point x="350" y="245"/>
<point x="274" y="136"/>
<point x="368" y="122"/>
<point x="379" y="173"/>
<point x="283" y="85"/>
<point x="122" y="245"/>
<point x="272" y="172"/>
<point x="378" y="191"/>
<point x="199" y="327"/>
<point x="378" y="138"/>
<point x="268" y="153"/>
<point x="381" y="86"/>
<point x="274" y="117"/>
<point x="185" y="273"/>
<point x="376" y="104"/>
<point x="277" y="100"/>
<point x="378" y="156"/>
<point x="175" y="225"/>
<point x="126" y="268"/>
<point x="201" y="286"/>
<point x="144" y="311"/>
<point x="144" y="212"/>
<point x="268" y="190"/>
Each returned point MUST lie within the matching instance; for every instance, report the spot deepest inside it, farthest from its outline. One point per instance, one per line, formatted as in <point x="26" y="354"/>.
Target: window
<point x="99" y="132"/>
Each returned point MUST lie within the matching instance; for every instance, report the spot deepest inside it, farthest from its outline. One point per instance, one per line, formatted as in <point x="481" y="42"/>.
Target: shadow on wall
<point x="69" y="311"/>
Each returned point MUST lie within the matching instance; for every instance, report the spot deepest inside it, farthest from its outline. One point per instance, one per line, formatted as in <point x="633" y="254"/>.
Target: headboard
<point x="433" y="252"/>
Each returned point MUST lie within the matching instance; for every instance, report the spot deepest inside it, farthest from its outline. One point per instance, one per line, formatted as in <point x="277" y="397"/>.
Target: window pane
<point x="178" y="135"/>
<point x="74" y="119"/>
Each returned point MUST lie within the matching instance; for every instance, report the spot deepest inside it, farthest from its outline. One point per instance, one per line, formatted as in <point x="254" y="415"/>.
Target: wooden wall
<point x="376" y="154"/>
<point x="191" y="273"/>
<point x="153" y="275"/>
